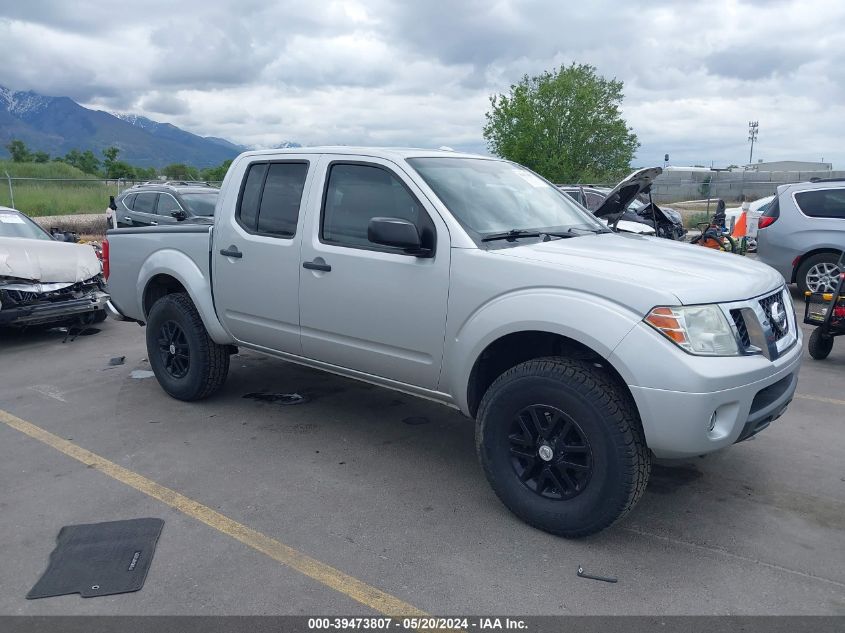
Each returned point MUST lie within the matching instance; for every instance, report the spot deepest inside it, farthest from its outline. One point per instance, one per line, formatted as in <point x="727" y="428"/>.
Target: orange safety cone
<point x="740" y="228"/>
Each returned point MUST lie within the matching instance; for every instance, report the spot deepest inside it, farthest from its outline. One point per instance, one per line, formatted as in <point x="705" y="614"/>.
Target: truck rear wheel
<point x="562" y="446"/>
<point x="186" y="362"/>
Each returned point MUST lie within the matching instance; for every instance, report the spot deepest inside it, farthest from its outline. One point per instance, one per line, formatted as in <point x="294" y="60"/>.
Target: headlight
<point x="701" y="330"/>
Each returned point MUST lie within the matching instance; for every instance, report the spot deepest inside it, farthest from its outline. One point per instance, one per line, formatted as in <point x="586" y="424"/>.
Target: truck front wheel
<point x="186" y="362"/>
<point x="562" y="446"/>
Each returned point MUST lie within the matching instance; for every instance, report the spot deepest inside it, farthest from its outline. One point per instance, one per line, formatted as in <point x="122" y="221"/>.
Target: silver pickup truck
<point x="581" y="353"/>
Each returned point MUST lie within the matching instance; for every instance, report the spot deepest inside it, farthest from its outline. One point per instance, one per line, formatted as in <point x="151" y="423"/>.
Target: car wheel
<point x="820" y="345"/>
<point x="818" y="273"/>
<point x="562" y="446"/>
<point x="187" y="363"/>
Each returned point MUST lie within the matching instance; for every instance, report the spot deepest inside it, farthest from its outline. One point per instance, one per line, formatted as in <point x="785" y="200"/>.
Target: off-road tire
<point x="608" y="418"/>
<point x="208" y="361"/>
<point x="807" y="264"/>
<point x="819" y="345"/>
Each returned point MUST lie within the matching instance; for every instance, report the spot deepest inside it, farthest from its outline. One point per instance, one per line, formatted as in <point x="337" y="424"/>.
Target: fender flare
<point x="593" y="321"/>
<point x="183" y="269"/>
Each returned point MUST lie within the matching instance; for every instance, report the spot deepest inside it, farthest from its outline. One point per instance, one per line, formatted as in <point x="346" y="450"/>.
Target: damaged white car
<point x="43" y="281"/>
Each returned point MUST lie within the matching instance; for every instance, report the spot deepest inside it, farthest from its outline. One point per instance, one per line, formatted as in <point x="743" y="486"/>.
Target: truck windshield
<point x="493" y="196"/>
<point x="201" y="204"/>
<point x="16" y="225"/>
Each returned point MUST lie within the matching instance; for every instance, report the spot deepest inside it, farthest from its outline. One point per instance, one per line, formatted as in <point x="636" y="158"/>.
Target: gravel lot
<point x="398" y="504"/>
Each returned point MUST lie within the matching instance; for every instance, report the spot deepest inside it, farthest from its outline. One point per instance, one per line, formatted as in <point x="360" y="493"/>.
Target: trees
<point x="17" y="149"/>
<point x="85" y="161"/>
<point x="114" y="168"/>
<point x="216" y="174"/>
<point x="565" y="125"/>
<point x="180" y="171"/>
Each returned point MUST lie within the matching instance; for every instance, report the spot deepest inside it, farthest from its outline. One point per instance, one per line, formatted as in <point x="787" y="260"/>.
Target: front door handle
<point x="127" y="218"/>
<point x="315" y="265"/>
<point x="154" y="223"/>
<point x="232" y="251"/>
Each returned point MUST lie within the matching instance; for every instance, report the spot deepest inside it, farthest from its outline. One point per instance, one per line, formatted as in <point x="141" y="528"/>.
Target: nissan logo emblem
<point x="778" y="315"/>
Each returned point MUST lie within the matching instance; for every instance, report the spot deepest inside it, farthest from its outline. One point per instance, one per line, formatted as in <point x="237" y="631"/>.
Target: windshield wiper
<point x="511" y="235"/>
<point x="570" y="232"/>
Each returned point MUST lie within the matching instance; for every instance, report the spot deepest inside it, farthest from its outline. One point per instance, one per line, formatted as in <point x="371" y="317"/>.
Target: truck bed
<point x="137" y="253"/>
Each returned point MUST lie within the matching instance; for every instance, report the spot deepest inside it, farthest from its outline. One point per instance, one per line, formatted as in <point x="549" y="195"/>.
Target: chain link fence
<point x="62" y="196"/>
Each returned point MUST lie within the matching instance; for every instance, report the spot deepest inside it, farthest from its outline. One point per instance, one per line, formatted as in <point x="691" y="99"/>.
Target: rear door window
<point x="822" y="203"/>
<point x="271" y="197"/>
<point x="251" y="195"/>
<point x="145" y="203"/>
<point x="279" y="209"/>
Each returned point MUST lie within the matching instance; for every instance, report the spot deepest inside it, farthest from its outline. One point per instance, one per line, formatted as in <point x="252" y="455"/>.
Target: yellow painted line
<point x="327" y="575"/>
<point x="807" y="396"/>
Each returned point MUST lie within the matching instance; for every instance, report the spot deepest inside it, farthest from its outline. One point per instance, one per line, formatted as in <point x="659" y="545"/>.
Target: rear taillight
<point x="106" y="259"/>
<point x="765" y="221"/>
<point x="770" y="215"/>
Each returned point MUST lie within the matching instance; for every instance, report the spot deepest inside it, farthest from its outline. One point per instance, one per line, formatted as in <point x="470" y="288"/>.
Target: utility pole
<point x="753" y="127"/>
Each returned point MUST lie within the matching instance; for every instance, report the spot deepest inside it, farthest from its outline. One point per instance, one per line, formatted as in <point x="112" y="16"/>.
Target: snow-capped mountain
<point x="58" y="124"/>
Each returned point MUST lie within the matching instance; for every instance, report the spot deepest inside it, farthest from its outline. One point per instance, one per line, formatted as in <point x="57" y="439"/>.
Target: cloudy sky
<point x="420" y="73"/>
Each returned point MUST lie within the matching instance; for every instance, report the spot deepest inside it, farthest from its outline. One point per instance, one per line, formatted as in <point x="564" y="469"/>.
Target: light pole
<point x="753" y="127"/>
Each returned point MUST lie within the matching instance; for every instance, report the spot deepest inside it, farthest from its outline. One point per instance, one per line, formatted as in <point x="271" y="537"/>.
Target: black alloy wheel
<point x="549" y="452"/>
<point x="174" y="350"/>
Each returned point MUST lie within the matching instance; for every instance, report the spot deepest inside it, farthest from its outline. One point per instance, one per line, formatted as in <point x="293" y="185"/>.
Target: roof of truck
<point x="377" y="152"/>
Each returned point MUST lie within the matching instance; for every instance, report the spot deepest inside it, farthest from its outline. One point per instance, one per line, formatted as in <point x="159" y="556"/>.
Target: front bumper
<point x="745" y="394"/>
<point x="52" y="312"/>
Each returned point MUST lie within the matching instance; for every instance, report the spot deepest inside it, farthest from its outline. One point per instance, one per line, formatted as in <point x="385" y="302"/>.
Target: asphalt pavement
<point x="358" y="495"/>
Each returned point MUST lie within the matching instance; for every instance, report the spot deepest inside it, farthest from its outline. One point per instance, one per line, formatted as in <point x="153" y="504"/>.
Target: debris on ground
<point x="117" y="360"/>
<point x="583" y="574"/>
<point x="141" y="373"/>
<point x="278" y="398"/>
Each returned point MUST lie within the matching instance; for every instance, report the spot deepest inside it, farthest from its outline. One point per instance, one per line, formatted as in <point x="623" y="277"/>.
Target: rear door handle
<point x="232" y="251"/>
<point x="153" y="222"/>
<point x="315" y="265"/>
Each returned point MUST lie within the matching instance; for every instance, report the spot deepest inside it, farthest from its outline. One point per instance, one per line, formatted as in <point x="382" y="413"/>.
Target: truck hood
<point x="624" y="193"/>
<point x="693" y="274"/>
<point x="46" y="261"/>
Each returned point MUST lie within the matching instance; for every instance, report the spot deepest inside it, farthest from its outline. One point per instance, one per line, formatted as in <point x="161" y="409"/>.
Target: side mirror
<point x="398" y="233"/>
<point x="179" y="215"/>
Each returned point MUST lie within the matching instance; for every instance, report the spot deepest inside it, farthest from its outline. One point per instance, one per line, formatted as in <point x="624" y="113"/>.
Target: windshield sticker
<point x="530" y="178"/>
<point x="10" y="219"/>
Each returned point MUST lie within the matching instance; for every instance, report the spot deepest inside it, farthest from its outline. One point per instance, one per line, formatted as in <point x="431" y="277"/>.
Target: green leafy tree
<point x="180" y="171"/>
<point x="114" y="168"/>
<point x="19" y="152"/>
<point x="218" y="173"/>
<point x="565" y="125"/>
<point x="84" y="161"/>
<point x="146" y="173"/>
<point x="119" y="169"/>
<point x="41" y="157"/>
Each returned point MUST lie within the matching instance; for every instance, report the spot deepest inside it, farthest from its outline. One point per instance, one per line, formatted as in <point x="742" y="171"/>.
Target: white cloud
<point x="392" y="72"/>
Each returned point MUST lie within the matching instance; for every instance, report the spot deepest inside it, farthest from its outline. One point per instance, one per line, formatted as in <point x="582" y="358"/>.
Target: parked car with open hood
<point x="46" y="281"/>
<point x="641" y="215"/>
<point x="579" y="352"/>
